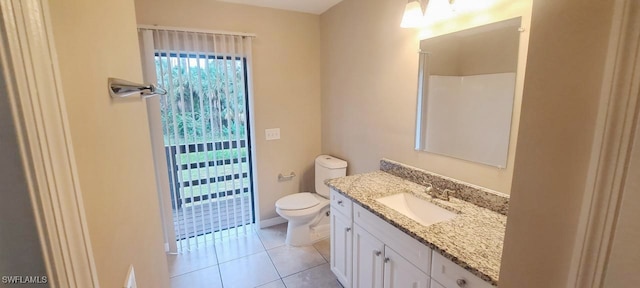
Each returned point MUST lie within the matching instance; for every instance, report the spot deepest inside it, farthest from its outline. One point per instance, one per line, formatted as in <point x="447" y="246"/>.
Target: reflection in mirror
<point x="466" y="92"/>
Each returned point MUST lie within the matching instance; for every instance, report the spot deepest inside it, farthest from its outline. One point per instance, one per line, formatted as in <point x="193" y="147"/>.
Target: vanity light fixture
<point x="413" y="13"/>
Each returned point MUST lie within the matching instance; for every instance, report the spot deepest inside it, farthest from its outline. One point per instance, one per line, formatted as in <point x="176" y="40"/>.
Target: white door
<point x="368" y="260"/>
<point x="400" y="273"/>
<point x="341" y="236"/>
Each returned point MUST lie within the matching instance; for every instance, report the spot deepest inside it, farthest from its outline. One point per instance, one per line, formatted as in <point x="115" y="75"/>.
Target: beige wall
<point x="562" y="87"/>
<point x="494" y="51"/>
<point x="286" y="81"/>
<point x="444" y="55"/>
<point x="484" y="52"/>
<point x="369" y="87"/>
<point x="95" y="40"/>
<point x="624" y="257"/>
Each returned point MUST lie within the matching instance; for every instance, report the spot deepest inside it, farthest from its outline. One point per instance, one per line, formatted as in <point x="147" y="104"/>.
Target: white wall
<point x="286" y="81"/>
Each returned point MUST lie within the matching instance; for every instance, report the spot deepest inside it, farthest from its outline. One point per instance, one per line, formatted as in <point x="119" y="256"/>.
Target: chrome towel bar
<point x="119" y="88"/>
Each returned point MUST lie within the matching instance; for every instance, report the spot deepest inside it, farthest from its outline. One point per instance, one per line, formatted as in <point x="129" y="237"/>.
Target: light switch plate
<point x="272" y="134"/>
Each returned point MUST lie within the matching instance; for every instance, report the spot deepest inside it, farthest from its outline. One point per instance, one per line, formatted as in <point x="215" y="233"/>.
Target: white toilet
<point x="308" y="213"/>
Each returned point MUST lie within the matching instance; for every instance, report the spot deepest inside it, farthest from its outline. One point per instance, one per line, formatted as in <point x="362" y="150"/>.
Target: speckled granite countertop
<point x="472" y="240"/>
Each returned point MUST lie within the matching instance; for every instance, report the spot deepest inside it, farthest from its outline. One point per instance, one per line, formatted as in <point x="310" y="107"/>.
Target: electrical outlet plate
<point x="272" y="134"/>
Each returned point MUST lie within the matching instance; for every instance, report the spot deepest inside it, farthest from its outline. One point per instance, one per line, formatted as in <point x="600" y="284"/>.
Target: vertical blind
<point x="203" y="153"/>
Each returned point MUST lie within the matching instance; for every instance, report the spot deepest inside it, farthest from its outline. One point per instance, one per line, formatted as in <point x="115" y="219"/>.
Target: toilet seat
<point x="297" y="201"/>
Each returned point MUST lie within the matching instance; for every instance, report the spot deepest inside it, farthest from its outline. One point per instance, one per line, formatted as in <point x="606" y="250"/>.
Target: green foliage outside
<point x="206" y="99"/>
<point x="205" y="104"/>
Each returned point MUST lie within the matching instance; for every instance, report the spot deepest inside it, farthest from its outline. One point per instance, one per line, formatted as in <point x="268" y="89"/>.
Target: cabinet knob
<point x="339" y="202"/>
<point x="377" y="252"/>
<point x="461" y="282"/>
<point x="347" y="229"/>
<point x="386" y="259"/>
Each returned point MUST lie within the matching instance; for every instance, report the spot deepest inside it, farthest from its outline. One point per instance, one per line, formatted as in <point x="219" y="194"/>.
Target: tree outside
<point x="206" y="103"/>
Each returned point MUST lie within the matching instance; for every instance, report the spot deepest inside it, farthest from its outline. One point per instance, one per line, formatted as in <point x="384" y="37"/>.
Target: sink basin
<point x="423" y="212"/>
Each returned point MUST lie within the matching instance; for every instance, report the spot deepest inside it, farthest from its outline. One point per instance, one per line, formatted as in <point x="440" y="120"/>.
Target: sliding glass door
<point x="205" y="133"/>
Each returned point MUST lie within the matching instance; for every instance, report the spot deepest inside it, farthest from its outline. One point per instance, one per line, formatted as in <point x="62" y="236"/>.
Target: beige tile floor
<point x="257" y="258"/>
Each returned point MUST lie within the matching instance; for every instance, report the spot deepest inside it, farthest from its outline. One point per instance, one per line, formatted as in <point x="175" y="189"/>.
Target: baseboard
<point x="271" y="222"/>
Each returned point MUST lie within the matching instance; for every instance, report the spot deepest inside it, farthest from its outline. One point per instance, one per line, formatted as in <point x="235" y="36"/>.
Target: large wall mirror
<point x="466" y="93"/>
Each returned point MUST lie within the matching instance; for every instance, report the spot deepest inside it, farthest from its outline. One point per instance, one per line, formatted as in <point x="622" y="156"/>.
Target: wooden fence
<point x="173" y="154"/>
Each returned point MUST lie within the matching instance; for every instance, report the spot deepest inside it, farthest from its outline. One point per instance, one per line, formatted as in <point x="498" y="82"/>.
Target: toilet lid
<point x="297" y="201"/>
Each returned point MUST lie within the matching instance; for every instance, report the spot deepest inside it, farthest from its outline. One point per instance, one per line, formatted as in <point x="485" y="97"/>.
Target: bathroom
<point x="341" y="79"/>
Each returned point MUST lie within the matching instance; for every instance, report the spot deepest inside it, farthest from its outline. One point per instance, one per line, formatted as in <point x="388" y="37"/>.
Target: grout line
<point x="325" y="262"/>
<point x="245" y="256"/>
<point x="270" y="259"/>
<point x="198" y="269"/>
<point x="281" y="278"/>
<point x="192" y="271"/>
<point x="285" y="284"/>
<point x="218" y="262"/>
<point x="250" y="254"/>
<point x="314" y="246"/>
<point x="274" y="266"/>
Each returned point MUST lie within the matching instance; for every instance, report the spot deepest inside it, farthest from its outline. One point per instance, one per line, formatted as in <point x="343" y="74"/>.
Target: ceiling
<point x="307" y="6"/>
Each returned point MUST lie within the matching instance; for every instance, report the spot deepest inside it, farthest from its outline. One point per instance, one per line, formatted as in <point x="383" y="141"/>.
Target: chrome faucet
<point x="437" y="193"/>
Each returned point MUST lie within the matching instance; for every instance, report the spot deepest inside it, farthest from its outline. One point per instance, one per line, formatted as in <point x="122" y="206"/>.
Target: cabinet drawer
<point x="341" y="204"/>
<point x="411" y="249"/>
<point x="448" y="274"/>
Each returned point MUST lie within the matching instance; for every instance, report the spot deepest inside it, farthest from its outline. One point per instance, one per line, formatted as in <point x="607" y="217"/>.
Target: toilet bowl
<point x="307" y="213"/>
<point x="305" y="225"/>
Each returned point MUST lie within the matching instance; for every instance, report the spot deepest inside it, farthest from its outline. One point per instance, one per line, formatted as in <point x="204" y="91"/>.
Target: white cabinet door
<point x="368" y="260"/>
<point x="341" y="241"/>
<point x="400" y="273"/>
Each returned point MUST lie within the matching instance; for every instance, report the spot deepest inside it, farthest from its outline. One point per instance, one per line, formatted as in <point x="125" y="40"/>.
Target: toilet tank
<point x="328" y="167"/>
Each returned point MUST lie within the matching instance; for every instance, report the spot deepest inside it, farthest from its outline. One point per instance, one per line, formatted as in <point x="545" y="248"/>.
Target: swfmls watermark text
<point x="20" y="279"/>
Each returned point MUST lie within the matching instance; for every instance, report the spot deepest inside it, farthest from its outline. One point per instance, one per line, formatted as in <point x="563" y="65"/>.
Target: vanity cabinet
<point x="341" y="238"/>
<point x="368" y="259"/>
<point x="384" y="257"/>
<point x="376" y="265"/>
<point x="398" y="272"/>
<point x="367" y="251"/>
<point x="450" y="275"/>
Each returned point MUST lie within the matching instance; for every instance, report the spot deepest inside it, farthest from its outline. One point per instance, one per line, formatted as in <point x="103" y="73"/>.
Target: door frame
<point x="613" y="139"/>
<point x="29" y="63"/>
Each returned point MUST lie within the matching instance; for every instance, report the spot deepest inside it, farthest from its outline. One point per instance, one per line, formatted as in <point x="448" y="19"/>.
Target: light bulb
<point x="412" y="15"/>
